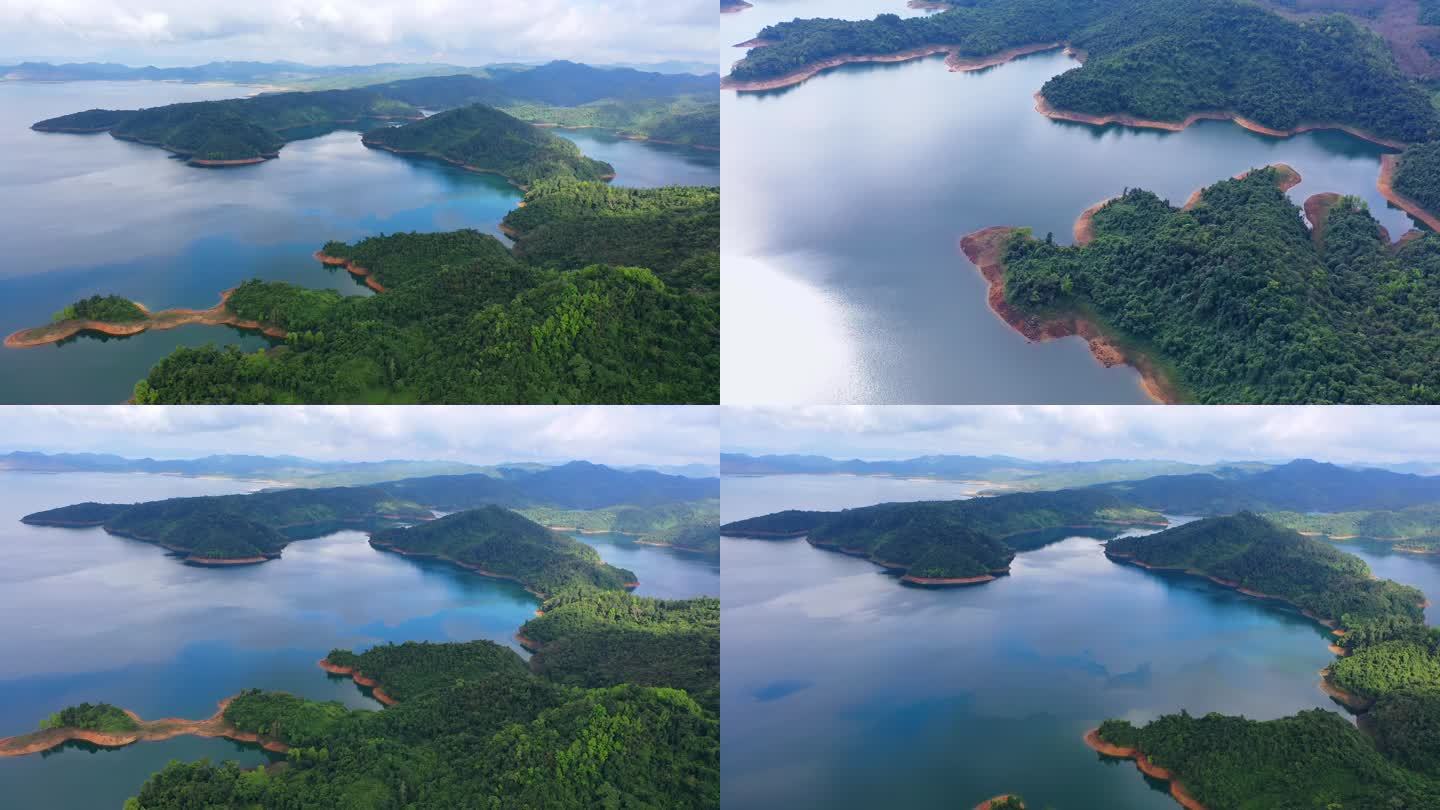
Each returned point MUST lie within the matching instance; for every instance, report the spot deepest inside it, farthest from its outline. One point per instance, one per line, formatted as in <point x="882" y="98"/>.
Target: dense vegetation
<point x="951" y="538"/>
<point x="690" y="120"/>
<point x="592" y="639"/>
<point x="1418" y="175"/>
<point x="485" y="139"/>
<point x="1155" y="59"/>
<point x="92" y="717"/>
<point x="1315" y="759"/>
<point x="107" y="308"/>
<point x="501" y="542"/>
<point x="1238" y="302"/>
<point x="1255" y="554"/>
<point x="474" y="730"/>
<point x="702" y="537"/>
<point x="1417" y="527"/>
<point x="464" y="321"/>
<point x="258" y="524"/>
<point x="556" y="84"/>
<point x="566" y="224"/>
<point x="628" y="519"/>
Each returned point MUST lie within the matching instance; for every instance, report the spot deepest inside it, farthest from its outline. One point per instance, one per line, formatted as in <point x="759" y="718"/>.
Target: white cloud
<point x="178" y="32"/>
<point x="1374" y="434"/>
<point x="475" y="434"/>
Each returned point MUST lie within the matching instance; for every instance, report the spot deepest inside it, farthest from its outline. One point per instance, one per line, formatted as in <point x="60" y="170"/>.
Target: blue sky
<point x="1200" y="434"/>
<point x="617" y="435"/>
<point x="466" y="32"/>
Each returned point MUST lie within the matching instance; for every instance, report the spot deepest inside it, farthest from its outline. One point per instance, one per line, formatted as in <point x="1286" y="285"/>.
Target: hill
<point x="482" y="138"/>
<point x="1416" y="528"/>
<point x="1299" y="486"/>
<point x="497" y="542"/>
<point x="1232" y="299"/>
<point x="951" y="540"/>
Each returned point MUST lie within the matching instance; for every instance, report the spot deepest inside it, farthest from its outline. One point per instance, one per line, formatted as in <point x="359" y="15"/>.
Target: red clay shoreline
<point x="150" y="730"/>
<point x="1043" y="106"/>
<point x="956" y="63"/>
<point x="217" y="315"/>
<point x="354" y="269"/>
<point x="354" y="675"/>
<point x="1147" y="767"/>
<point x="1389" y="165"/>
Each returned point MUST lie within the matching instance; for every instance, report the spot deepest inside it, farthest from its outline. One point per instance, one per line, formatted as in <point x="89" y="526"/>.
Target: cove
<point x="93" y="617"/>
<point x="849" y="192"/>
<point x="101" y="215"/>
<point x="842" y="688"/>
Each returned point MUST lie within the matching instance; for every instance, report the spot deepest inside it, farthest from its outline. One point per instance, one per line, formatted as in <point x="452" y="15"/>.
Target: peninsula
<point x="1145" y="62"/>
<point x="1390" y="661"/>
<point x="496" y="542"/>
<point x="75" y="320"/>
<point x="1204" y="326"/>
<point x="110" y="727"/>
<point x="943" y="543"/>
<point x="238" y="529"/>
<point x="483" y="139"/>
<point x="1415" y="529"/>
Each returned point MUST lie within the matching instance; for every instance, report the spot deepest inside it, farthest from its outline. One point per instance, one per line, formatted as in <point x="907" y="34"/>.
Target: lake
<point x="843" y="689"/>
<point x="90" y="617"/>
<point x="847" y="196"/>
<point x="98" y="215"/>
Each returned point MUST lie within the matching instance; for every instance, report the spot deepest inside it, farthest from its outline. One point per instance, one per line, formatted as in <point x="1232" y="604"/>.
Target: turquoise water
<point x="97" y="215"/>
<point x="843" y="689"/>
<point x="90" y="617"/>
<point x="848" y="194"/>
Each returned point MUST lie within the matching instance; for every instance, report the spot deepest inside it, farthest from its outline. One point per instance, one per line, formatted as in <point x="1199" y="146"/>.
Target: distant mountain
<point x="1007" y="472"/>
<point x="577" y="485"/>
<point x="1300" y="486"/>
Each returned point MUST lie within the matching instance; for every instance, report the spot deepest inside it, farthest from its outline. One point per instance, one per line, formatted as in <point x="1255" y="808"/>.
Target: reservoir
<point x="87" y="616"/>
<point x="105" y="216"/>
<point x="847" y="196"/>
<point x="842" y="688"/>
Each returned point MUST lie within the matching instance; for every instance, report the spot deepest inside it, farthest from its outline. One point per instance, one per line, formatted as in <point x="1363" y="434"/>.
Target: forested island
<point x="617" y="301"/>
<point x="1389" y="670"/>
<point x="243" y="131"/>
<point x="497" y="542"/>
<point x="1232" y="299"/>
<point x="484" y="139"/>
<point x="238" y="529"/>
<point x="951" y="542"/>
<point x="1158" y="62"/>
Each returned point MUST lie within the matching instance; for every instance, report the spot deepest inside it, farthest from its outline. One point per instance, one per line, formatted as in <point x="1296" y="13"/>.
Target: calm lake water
<point x="665" y="573"/>
<point x="89" y="617"/>
<point x="843" y="689"/>
<point x="97" y="215"/>
<point x="847" y="196"/>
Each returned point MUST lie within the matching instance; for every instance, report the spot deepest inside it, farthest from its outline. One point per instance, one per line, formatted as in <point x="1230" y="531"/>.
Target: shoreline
<point x="217" y="315"/>
<point x="953" y="61"/>
<point x="736" y="7"/>
<point x="352" y="268"/>
<point x="1389" y="165"/>
<point x="1043" y="106"/>
<point x="467" y="167"/>
<point x="1147" y="767"/>
<point x="354" y="675"/>
<point x="149" y="731"/>
<point x="629" y="586"/>
<point x="988" y="803"/>
<point x="984" y="248"/>
<point x="946" y="582"/>
<point x="188" y="557"/>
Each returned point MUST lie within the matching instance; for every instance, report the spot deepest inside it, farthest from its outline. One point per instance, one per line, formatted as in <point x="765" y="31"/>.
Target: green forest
<point x="1259" y="556"/>
<point x="1418" y="175"/>
<point x="503" y="543"/>
<point x="592" y="638"/>
<point x="586" y="317"/>
<point x="950" y="538"/>
<point x="690" y="120"/>
<point x="483" y="138"/>
<point x="474" y="729"/>
<point x="92" y="717"/>
<point x="1155" y="59"/>
<point x="573" y="485"/>
<point x="1237" y="301"/>
<point x="1316" y="758"/>
<point x="107" y="308"/>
